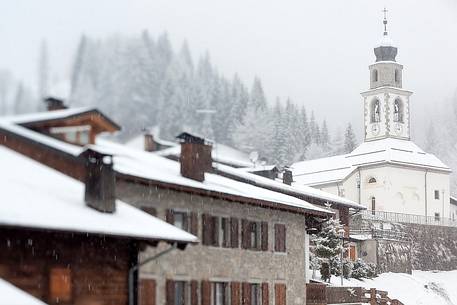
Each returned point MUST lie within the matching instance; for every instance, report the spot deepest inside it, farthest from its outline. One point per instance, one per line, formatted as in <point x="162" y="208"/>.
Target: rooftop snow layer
<point x="71" y="149"/>
<point x="11" y="295"/>
<point x="45" y="115"/>
<point x="220" y="153"/>
<point x="36" y="196"/>
<point x="295" y="188"/>
<point x="337" y="168"/>
<point x="151" y="166"/>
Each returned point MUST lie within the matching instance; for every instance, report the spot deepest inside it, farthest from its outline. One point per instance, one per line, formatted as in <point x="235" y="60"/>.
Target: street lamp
<point x="341" y="233"/>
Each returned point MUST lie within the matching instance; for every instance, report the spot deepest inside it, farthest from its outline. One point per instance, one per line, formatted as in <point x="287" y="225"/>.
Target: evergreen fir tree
<point x="43" y="72"/>
<point x="328" y="247"/>
<point x="349" y="139"/>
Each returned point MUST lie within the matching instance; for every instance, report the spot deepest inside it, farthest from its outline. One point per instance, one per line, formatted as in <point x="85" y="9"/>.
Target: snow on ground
<point x="420" y="288"/>
<point x="11" y="295"/>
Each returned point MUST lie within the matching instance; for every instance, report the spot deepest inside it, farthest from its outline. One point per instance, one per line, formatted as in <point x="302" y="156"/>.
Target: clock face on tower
<point x="375" y="129"/>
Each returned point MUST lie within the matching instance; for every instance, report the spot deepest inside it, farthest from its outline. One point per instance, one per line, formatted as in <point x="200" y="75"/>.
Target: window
<point x="60" y="287"/>
<point x="224" y="232"/>
<point x="375" y="75"/>
<point x="280" y="237"/>
<point x="73" y="134"/>
<point x="181" y="293"/>
<point x="375" y="111"/>
<point x="437" y="216"/>
<point x="220" y="231"/>
<point x="221" y="293"/>
<point x="180" y="220"/>
<point x="398" y="111"/>
<point x="256" y="294"/>
<point x="254" y="232"/>
<point x="397" y="76"/>
<point x="373" y="205"/>
<point x="372" y="180"/>
<point x="437" y="194"/>
<point x="254" y="235"/>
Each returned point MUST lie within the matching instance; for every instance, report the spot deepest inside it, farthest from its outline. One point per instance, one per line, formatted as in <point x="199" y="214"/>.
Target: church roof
<point x="386" y="151"/>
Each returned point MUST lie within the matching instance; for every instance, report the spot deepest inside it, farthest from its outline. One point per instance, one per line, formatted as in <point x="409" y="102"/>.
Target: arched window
<point x="375" y="111"/>
<point x="397" y="76"/>
<point x="375" y="75"/>
<point x="398" y="110"/>
<point x="372" y="180"/>
<point x="373" y="205"/>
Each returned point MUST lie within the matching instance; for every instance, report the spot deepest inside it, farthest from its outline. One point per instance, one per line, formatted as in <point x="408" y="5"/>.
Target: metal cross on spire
<point x="385" y="21"/>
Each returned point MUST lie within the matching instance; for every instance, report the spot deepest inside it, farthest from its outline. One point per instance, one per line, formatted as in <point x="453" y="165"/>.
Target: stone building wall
<point x="207" y="263"/>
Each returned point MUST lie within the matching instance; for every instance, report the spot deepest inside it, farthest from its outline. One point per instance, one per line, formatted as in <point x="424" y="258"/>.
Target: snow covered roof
<point x="389" y="150"/>
<point x="11" y="295"/>
<point x="142" y="164"/>
<point x="295" y="188"/>
<point x="45" y="116"/>
<point x="35" y="136"/>
<point x="220" y="153"/>
<point x="36" y="196"/>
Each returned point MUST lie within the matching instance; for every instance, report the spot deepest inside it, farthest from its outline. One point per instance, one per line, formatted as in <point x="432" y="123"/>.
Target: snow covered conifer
<point x="349" y="139"/>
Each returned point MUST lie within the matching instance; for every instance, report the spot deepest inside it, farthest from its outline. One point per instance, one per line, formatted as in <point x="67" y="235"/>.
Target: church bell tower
<point x="386" y="104"/>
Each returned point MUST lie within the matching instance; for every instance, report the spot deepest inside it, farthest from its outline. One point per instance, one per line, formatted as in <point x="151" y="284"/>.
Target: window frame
<point x="186" y="300"/>
<point x="257" y="293"/>
<point x="226" y="288"/>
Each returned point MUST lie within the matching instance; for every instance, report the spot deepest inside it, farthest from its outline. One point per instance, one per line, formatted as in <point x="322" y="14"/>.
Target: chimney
<point x="100" y="181"/>
<point x="53" y="103"/>
<point x="149" y="143"/>
<point x="195" y="156"/>
<point x="287" y="177"/>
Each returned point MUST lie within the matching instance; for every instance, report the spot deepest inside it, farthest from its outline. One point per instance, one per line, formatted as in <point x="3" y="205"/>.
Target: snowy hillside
<point x="420" y="288"/>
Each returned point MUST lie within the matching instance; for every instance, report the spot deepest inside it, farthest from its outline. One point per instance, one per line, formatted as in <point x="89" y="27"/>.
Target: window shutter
<point x="246" y="294"/>
<point x="170" y="217"/>
<point x="280" y="238"/>
<point x="147" y="291"/>
<point x="245" y="236"/>
<point x="194" y="223"/>
<point x="280" y="294"/>
<point x="264" y="228"/>
<point x="215" y="231"/>
<point x="234" y="232"/>
<point x="265" y="294"/>
<point x="170" y="291"/>
<point x="206" y="235"/>
<point x="206" y="293"/>
<point x="235" y="288"/>
<point x="193" y="292"/>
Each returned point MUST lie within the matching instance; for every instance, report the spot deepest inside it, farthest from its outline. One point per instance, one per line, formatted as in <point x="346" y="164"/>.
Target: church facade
<point x="387" y="172"/>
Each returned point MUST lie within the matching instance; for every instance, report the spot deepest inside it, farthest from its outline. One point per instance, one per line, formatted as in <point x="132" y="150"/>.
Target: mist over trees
<point x="143" y="82"/>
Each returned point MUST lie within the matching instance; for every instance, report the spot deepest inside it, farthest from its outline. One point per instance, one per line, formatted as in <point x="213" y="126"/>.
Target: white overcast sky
<point x="316" y="52"/>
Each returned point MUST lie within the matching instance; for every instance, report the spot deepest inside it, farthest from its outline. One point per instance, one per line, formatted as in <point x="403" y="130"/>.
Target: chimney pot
<point x="53" y="103"/>
<point x="195" y="156"/>
<point x="149" y="143"/>
<point x="100" y="182"/>
<point x="287" y="177"/>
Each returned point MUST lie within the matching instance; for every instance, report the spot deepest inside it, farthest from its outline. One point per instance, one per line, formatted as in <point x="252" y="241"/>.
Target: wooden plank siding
<point x="97" y="267"/>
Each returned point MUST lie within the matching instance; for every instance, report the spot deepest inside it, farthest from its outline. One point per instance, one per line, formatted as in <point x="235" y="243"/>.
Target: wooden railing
<point x="321" y="294"/>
